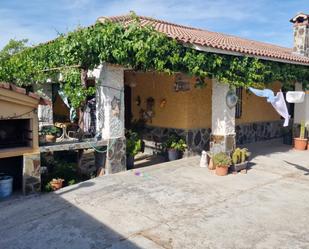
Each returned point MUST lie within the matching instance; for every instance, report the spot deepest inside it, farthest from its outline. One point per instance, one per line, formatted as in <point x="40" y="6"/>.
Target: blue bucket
<point x="6" y="186"/>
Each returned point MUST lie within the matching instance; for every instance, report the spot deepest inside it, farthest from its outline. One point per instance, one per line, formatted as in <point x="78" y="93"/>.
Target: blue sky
<point x="42" y="20"/>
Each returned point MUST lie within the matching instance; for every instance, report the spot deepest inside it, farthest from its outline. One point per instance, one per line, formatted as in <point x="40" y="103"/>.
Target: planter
<point x="6" y="186"/>
<point x="300" y="143"/>
<point x="239" y="166"/>
<point x="222" y="171"/>
<point x="50" y="138"/>
<point x="287" y="138"/>
<point x="172" y="154"/>
<point x="130" y="162"/>
<point x="211" y="165"/>
<point x="42" y="139"/>
<point x="56" y="184"/>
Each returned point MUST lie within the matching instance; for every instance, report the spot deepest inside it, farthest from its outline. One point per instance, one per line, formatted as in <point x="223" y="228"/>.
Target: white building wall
<point x="301" y="110"/>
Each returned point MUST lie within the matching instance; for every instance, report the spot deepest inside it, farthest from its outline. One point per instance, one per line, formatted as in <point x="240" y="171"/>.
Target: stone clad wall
<point x="259" y="131"/>
<point x="31" y="173"/>
<point x="196" y="139"/>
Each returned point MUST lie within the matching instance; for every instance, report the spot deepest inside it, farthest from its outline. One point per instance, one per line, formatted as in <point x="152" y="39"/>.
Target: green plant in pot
<point x="174" y="146"/>
<point x="133" y="146"/>
<point x="222" y="162"/>
<point x="300" y="143"/>
<point x="240" y="159"/>
<point x="50" y="133"/>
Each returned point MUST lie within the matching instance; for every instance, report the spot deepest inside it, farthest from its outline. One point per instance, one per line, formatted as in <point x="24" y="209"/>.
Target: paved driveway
<point x="173" y="205"/>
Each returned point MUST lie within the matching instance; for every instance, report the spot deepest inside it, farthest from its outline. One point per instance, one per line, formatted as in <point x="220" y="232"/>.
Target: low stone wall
<point x="31" y="173"/>
<point x="196" y="139"/>
<point x="259" y="131"/>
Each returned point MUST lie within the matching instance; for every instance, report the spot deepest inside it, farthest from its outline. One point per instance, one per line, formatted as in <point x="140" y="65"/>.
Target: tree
<point x="13" y="47"/>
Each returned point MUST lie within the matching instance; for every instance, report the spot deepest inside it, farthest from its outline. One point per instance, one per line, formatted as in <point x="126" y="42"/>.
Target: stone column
<point x="223" y="120"/>
<point x="110" y="114"/>
<point x="31" y="173"/>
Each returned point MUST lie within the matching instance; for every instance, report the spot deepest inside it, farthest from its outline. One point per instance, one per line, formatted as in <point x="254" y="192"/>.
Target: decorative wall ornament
<point x="138" y="101"/>
<point x="231" y="99"/>
<point x="115" y="107"/>
<point x="163" y="103"/>
<point x="149" y="113"/>
<point x="181" y="83"/>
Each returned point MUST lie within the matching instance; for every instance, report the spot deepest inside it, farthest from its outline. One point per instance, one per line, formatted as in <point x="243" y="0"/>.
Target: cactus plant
<point x="240" y="155"/>
<point x="236" y="156"/>
<point x="302" y="130"/>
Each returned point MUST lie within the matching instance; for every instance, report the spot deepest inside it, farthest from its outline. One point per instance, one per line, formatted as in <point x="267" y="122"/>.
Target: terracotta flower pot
<point x="56" y="184"/>
<point x="211" y="165"/>
<point x="300" y="143"/>
<point x="222" y="171"/>
<point x="50" y="138"/>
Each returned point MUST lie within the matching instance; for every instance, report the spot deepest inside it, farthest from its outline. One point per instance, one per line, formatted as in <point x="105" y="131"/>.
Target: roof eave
<point x="222" y="51"/>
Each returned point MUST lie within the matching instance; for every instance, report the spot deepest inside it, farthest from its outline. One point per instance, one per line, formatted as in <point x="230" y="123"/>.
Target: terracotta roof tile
<point x="215" y="40"/>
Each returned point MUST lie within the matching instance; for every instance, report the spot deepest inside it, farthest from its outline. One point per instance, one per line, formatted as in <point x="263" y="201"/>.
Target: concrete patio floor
<point x="173" y="205"/>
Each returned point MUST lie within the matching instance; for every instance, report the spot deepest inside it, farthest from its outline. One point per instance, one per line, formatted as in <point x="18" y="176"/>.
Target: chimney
<point x="301" y="34"/>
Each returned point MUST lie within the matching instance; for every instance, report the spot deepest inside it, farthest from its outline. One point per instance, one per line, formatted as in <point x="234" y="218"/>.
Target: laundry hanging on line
<point x="280" y="106"/>
<point x="266" y="93"/>
<point x="278" y="102"/>
<point x="295" y="96"/>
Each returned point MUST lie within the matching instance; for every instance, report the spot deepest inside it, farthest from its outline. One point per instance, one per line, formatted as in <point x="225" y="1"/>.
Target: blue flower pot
<point x="173" y="155"/>
<point x="6" y="186"/>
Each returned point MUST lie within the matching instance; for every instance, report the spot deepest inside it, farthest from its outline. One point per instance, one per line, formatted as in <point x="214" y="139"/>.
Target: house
<point x="177" y="103"/>
<point x="171" y="103"/>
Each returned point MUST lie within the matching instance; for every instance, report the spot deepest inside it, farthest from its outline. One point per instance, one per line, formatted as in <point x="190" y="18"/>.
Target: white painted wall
<point x="301" y="110"/>
<point x="223" y="118"/>
<point x="110" y="85"/>
<point x="45" y="112"/>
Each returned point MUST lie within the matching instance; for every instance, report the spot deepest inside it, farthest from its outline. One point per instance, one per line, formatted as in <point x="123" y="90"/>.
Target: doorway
<point x="128" y="106"/>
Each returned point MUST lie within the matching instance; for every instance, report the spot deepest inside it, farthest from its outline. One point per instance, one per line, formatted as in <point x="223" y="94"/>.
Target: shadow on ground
<point x="269" y="147"/>
<point x="299" y="167"/>
<point x="50" y="221"/>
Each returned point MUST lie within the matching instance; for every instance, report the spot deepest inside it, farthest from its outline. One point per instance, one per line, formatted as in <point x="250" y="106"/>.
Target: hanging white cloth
<point x="295" y="96"/>
<point x="87" y="119"/>
<point x="280" y="106"/>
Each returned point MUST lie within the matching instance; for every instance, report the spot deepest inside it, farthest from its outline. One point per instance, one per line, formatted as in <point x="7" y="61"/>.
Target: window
<point x="238" y="109"/>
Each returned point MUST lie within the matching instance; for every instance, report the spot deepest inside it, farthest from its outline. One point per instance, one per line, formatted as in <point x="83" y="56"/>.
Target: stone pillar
<point x="301" y="110"/>
<point x="45" y="112"/>
<point x="223" y="120"/>
<point x="110" y="114"/>
<point x="31" y="173"/>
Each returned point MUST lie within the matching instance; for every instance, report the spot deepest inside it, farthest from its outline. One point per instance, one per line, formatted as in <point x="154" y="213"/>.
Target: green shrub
<point x="133" y="143"/>
<point x="222" y="160"/>
<point x="175" y="142"/>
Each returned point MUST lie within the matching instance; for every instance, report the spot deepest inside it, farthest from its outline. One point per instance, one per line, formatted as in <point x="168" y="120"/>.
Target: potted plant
<point x="300" y="143"/>
<point x="133" y="146"/>
<point x="50" y="133"/>
<point x="56" y="183"/>
<point x="174" y="146"/>
<point x="222" y="163"/>
<point x="240" y="159"/>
